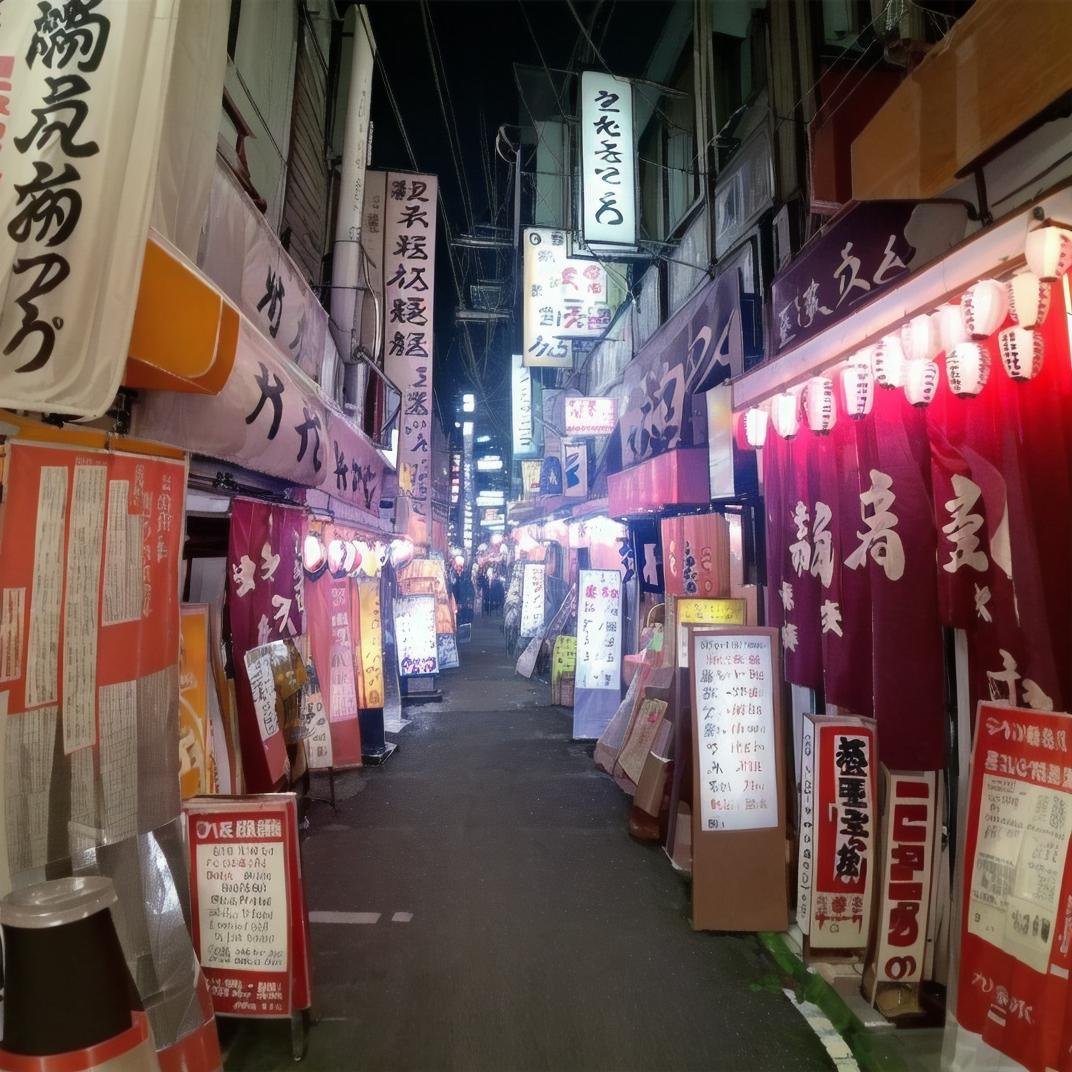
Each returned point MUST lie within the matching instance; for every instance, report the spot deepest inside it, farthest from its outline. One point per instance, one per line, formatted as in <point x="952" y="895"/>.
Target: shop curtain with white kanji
<point x="265" y="602"/>
<point x="953" y="515"/>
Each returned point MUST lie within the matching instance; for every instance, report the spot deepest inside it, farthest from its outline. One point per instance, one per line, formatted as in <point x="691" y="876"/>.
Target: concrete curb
<point x="874" y="1051"/>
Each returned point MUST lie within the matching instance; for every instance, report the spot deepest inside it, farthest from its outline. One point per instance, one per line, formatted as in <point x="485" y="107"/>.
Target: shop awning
<point x="999" y="248"/>
<point x="185" y="332"/>
<point x="592" y="508"/>
<point x="676" y="478"/>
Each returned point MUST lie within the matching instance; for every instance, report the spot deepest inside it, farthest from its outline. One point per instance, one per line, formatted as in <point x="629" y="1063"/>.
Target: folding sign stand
<point x="249" y="922"/>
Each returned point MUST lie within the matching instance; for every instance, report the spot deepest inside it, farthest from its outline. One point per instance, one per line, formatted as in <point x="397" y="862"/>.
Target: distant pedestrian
<point x="497" y="594"/>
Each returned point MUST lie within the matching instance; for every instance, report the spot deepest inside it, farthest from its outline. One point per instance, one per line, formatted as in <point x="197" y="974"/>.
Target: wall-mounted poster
<point x="738" y="814"/>
<point x="1015" y="952"/>
<point x="598" y="679"/>
<point x="532" y="598"/>
<point x="415" y="634"/>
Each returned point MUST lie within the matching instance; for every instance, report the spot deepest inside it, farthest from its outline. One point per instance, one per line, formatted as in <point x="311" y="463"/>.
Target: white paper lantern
<point x="984" y="306"/>
<point x="920" y="339"/>
<point x="968" y="367"/>
<point x="888" y="362"/>
<point x="857" y="389"/>
<point x="1029" y="299"/>
<point x="819" y="405"/>
<point x="921" y="382"/>
<point x="785" y="413"/>
<point x="755" y="428"/>
<point x="1049" y="252"/>
<point x="1022" y="351"/>
<point x="314" y="554"/>
<point x="951" y="329"/>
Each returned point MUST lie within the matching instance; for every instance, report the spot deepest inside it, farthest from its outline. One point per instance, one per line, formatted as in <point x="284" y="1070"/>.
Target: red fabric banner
<point x="265" y="601"/>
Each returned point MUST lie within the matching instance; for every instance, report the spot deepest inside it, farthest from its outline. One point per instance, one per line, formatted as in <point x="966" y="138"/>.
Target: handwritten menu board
<point x="599" y="651"/>
<point x="695" y="611"/>
<point x="532" y="598"/>
<point x="599" y="638"/>
<point x="563" y="657"/>
<point x="735" y="732"/>
<point x="738" y="813"/>
<point x="248" y="911"/>
<point x="415" y="634"/>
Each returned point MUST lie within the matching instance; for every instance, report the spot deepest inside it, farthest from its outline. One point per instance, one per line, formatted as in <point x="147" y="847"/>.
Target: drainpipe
<point x="347" y="278"/>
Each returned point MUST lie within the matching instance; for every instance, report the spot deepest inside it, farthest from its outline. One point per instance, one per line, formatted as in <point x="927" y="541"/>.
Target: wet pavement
<point x="508" y="922"/>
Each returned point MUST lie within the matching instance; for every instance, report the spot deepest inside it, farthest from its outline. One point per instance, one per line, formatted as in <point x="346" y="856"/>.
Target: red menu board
<point x="845" y="757"/>
<point x="1016" y="930"/>
<point x="250" y="928"/>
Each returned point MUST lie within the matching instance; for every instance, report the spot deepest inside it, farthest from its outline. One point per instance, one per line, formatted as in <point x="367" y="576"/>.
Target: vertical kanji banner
<point x="265" y="602"/>
<point x="409" y="289"/>
<point x="897" y="537"/>
<point x="84" y="88"/>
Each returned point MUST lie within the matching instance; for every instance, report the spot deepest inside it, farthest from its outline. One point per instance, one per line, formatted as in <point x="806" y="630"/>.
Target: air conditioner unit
<point x="901" y="28"/>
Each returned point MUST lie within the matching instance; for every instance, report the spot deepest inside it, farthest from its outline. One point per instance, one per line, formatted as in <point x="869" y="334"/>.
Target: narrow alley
<point x="541" y="936"/>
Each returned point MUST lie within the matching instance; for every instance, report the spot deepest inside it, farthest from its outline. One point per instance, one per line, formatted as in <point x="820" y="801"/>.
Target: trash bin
<point x="67" y="988"/>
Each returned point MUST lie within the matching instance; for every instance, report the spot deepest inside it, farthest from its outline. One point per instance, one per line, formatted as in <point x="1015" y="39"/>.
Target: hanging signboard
<point x="738" y="808"/>
<point x="530" y="478"/>
<point x="845" y="774"/>
<point x="521" y="407"/>
<point x="1015" y="952"/>
<point x="908" y="826"/>
<point x="532" y="598"/>
<point x="704" y="612"/>
<point x="83" y="98"/>
<point x="565" y="298"/>
<point x="598" y="682"/>
<point x="591" y="416"/>
<point x="248" y="920"/>
<point x="415" y="634"/>
<point x="608" y="161"/>
<point x="575" y="470"/>
<point x="409" y="302"/>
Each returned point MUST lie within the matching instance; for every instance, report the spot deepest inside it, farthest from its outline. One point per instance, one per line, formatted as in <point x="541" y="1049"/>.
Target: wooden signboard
<point x="738" y="807"/>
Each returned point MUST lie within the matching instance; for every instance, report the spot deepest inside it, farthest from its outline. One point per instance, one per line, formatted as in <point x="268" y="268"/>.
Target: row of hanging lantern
<point x="905" y="359"/>
<point x="350" y="558"/>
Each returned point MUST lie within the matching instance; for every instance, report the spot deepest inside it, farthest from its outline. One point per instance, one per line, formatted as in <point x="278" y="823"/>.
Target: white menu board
<point x="415" y="634"/>
<point x="532" y="598"/>
<point x="599" y="630"/>
<point x="733" y="677"/>
<point x="242" y="905"/>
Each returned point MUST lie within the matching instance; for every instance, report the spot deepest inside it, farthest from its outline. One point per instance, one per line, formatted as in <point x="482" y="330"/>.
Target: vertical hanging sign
<point x="521" y="404"/>
<point x="409" y="303"/>
<point x="608" y="160"/>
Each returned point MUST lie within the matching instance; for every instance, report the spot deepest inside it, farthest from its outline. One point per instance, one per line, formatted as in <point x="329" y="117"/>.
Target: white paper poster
<point x="83" y="92"/>
<point x="242" y="905"/>
<point x="532" y="598"/>
<point x="415" y="634"/>
<point x="262" y="686"/>
<point x="735" y="736"/>
<point x="608" y="160"/>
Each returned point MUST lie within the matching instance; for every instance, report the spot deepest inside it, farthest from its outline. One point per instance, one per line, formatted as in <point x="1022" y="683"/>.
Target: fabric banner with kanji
<point x="265" y="602"/>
